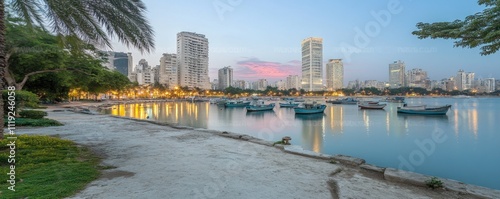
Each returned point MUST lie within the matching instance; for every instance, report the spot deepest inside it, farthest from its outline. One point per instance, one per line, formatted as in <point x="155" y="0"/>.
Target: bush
<point x="434" y="182"/>
<point x="23" y="99"/>
<point x="33" y="114"/>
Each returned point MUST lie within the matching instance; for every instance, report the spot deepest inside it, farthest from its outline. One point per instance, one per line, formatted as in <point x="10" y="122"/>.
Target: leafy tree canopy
<point x="479" y="30"/>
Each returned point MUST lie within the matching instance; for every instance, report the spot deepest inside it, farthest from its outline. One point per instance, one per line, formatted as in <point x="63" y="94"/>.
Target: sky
<point x="262" y="38"/>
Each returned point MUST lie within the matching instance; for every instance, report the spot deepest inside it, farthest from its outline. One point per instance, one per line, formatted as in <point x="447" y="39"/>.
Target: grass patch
<point x="47" y="167"/>
<point x="34" y="122"/>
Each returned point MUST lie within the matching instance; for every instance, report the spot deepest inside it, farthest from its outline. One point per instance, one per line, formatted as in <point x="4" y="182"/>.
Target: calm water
<point x="463" y="145"/>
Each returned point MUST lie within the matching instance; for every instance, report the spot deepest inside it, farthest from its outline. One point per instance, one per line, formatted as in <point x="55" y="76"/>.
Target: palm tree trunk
<point x="2" y="61"/>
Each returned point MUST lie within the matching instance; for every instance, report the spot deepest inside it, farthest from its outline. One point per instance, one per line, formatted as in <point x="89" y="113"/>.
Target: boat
<point x="260" y="106"/>
<point x="349" y="100"/>
<point x="371" y="105"/>
<point x="236" y="103"/>
<point x="424" y="110"/>
<point x="299" y="99"/>
<point x="309" y="108"/>
<point x="461" y="96"/>
<point x="395" y="99"/>
<point x="289" y="104"/>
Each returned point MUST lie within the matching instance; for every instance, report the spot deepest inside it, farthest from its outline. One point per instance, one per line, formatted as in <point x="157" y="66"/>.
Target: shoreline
<point x="389" y="174"/>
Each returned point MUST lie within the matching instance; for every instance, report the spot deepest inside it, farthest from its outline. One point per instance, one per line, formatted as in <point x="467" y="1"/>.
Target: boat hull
<point x="319" y="109"/>
<point x="371" y="106"/>
<point x="244" y="104"/>
<point x="427" y="111"/>
<point x="286" y="105"/>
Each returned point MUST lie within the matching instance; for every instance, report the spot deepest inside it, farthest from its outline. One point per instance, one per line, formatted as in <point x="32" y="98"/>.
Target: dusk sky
<point x="262" y="38"/>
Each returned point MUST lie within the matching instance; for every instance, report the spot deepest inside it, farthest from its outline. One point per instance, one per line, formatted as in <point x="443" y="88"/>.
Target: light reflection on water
<point x="381" y="137"/>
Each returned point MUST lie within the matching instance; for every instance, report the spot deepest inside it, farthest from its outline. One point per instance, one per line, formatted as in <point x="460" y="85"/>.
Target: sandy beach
<point x="157" y="161"/>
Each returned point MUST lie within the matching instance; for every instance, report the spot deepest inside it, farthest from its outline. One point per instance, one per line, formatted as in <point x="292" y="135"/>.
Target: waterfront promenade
<point x="156" y="161"/>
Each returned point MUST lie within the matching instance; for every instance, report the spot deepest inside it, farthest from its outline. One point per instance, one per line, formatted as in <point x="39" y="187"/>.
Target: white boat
<point x="371" y="105"/>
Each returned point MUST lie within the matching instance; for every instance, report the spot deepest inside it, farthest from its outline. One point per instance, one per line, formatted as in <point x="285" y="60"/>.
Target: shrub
<point x="23" y="99"/>
<point x="33" y="114"/>
<point x="434" y="182"/>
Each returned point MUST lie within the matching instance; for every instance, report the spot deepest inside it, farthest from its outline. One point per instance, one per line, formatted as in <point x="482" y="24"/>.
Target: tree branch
<point x="25" y="79"/>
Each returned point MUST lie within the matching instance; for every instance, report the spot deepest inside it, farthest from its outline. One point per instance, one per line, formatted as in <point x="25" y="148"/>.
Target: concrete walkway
<point x="154" y="161"/>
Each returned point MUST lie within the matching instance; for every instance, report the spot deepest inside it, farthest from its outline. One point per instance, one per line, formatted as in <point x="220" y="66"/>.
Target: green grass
<point x="47" y="167"/>
<point x="34" y="122"/>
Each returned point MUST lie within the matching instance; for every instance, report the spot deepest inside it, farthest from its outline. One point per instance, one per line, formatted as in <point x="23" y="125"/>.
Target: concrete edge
<point x="344" y="159"/>
<point x="417" y="179"/>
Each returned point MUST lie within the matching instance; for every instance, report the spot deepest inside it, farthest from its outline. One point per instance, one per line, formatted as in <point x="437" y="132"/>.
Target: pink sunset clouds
<point x="253" y="69"/>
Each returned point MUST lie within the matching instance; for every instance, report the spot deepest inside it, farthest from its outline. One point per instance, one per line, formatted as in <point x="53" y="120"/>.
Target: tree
<point x="479" y="30"/>
<point x="92" y="21"/>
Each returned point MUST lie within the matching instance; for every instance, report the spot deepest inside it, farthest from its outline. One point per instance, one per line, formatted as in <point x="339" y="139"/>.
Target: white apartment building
<point x="225" y="77"/>
<point x="293" y="81"/>
<point x="192" y="54"/>
<point x="334" y="74"/>
<point x="168" y="71"/>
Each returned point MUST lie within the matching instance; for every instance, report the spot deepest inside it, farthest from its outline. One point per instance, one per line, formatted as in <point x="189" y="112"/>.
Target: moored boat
<point x="289" y="104"/>
<point x="310" y="108"/>
<point x="424" y="110"/>
<point x="234" y="103"/>
<point x="260" y="106"/>
<point x="371" y="105"/>
<point x="395" y="99"/>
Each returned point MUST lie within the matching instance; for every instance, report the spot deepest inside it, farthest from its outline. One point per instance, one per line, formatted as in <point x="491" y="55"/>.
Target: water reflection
<point x="260" y="114"/>
<point x="313" y="131"/>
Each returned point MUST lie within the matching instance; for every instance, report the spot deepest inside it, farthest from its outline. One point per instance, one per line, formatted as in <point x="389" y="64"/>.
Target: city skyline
<point x="266" y="45"/>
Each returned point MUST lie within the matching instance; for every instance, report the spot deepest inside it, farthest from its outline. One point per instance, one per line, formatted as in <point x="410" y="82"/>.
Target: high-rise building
<point x="119" y="61"/>
<point x="293" y="81"/>
<point x="260" y="84"/>
<point x="192" y="55"/>
<point x="168" y="73"/>
<point x="417" y="78"/>
<point x="242" y="84"/>
<point x="225" y="77"/>
<point x="397" y="74"/>
<point x="281" y="85"/>
<point x="312" y="64"/>
<point x="464" y="80"/>
<point x="130" y="74"/>
<point x="489" y="85"/>
<point x="145" y="74"/>
<point x="334" y="74"/>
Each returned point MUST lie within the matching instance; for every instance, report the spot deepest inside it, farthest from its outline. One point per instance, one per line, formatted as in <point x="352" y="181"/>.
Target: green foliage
<point x="47" y="167"/>
<point x="35" y="122"/>
<point x="88" y="21"/>
<point x="32" y="114"/>
<point x="23" y="99"/>
<point x="479" y="30"/>
<point x="434" y="183"/>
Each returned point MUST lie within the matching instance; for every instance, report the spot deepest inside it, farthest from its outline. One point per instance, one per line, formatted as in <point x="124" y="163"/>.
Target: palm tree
<point x="92" y="21"/>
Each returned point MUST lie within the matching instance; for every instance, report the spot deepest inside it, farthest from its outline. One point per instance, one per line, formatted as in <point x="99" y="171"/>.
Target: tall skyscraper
<point x="334" y="74"/>
<point x="192" y="54"/>
<point x="312" y="64"/>
<point x="397" y="74"/>
<point x="168" y="70"/>
<point x="225" y="77"/>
